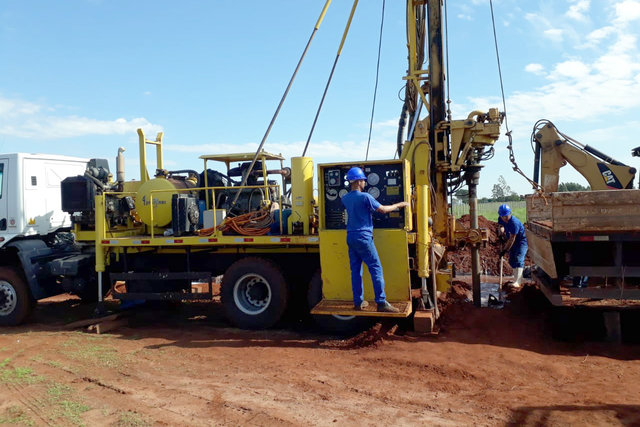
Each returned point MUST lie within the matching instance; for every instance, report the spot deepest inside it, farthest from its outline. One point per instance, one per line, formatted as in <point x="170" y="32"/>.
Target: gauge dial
<point x="342" y="193"/>
<point x="373" y="178"/>
<point x="375" y="193"/>
<point x="332" y="194"/>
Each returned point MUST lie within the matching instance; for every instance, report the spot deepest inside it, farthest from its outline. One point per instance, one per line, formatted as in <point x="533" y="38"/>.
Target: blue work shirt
<point x="514" y="227"/>
<point x="360" y="205"/>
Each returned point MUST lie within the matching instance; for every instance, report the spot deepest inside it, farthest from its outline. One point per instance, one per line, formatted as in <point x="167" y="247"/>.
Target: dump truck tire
<point x="254" y="293"/>
<point x="15" y="298"/>
<point x="332" y="323"/>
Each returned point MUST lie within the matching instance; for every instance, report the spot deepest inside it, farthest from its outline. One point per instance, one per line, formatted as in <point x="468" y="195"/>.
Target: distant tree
<point x="462" y="195"/>
<point x="501" y="192"/>
<point x="572" y="186"/>
<point x="513" y="198"/>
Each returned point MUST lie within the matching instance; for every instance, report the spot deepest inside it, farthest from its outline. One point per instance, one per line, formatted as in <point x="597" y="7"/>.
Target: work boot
<point x="362" y="306"/>
<point x="385" y="307"/>
<point x="517" y="276"/>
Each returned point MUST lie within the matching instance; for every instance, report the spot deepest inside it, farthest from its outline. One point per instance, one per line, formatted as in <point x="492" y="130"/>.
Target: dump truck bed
<point x="587" y="234"/>
<point x="586" y="211"/>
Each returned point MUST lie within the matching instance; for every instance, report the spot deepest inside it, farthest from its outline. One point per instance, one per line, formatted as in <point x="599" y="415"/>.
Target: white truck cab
<point x="30" y="193"/>
<point x="31" y="222"/>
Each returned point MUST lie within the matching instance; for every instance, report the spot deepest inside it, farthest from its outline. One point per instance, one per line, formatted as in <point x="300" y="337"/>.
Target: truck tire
<point x="332" y="323"/>
<point x="15" y="298"/>
<point x="254" y="293"/>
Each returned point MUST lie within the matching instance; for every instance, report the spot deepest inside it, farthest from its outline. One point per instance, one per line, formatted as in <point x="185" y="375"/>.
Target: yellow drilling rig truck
<point x="259" y="226"/>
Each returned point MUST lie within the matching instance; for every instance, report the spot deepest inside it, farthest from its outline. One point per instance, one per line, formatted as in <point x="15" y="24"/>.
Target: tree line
<point x="501" y="192"/>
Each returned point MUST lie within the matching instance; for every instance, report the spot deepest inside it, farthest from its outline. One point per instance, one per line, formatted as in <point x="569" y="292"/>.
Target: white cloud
<point x="570" y="69"/>
<point x="596" y="36"/>
<point x="382" y="146"/>
<point x="554" y="34"/>
<point x="10" y="108"/>
<point x="577" y="11"/>
<point x="24" y="119"/>
<point x="627" y="11"/>
<point x="534" y="68"/>
<point x="465" y="17"/>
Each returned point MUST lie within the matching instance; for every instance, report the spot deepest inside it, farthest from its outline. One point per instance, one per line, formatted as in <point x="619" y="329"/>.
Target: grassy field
<point x="490" y="210"/>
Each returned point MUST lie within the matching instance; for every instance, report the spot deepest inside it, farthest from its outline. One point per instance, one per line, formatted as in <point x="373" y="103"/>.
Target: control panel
<point x="385" y="183"/>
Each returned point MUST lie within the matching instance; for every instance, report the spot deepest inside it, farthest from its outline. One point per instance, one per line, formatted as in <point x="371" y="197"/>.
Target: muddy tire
<point x="332" y="323"/>
<point x="15" y="298"/>
<point x="254" y="293"/>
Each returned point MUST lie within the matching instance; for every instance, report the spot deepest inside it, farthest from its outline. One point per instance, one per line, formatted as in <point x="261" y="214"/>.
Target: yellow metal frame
<point x="392" y="246"/>
<point x="143" y="141"/>
<point x="227" y="159"/>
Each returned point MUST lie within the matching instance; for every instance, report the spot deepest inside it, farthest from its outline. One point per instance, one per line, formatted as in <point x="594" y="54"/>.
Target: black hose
<point x="402" y="124"/>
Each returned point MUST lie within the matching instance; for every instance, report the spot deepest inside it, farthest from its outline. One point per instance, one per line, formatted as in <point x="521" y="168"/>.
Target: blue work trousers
<point x="517" y="254"/>
<point x="361" y="248"/>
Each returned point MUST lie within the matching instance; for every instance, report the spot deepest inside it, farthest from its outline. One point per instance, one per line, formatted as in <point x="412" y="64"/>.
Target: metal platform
<point x="345" y="308"/>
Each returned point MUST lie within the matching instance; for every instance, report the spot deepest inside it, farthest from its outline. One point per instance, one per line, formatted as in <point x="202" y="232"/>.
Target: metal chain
<point x="512" y="157"/>
<point x="516" y="168"/>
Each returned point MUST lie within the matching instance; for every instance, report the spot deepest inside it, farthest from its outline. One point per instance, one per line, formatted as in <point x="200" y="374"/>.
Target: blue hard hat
<point x="504" y="210"/>
<point x="355" y="174"/>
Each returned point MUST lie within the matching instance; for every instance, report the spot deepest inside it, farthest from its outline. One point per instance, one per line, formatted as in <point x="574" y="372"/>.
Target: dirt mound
<point x="489" y="253"/>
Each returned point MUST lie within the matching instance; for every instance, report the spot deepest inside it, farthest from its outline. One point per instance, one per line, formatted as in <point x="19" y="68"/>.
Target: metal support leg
<point x="473" y="177"/>
<point x="100" y="287"/>
<point x="100" y="309"/>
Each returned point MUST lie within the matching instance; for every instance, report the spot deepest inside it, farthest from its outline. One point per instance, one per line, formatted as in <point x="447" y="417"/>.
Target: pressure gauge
<point x="342" y="193"/>
<point x="375" y="193"/>
<point x="332" y="194"/>
<point x="373" y="179"/>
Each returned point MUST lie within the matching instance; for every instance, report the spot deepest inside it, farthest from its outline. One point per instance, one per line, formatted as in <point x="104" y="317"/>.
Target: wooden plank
<point x="424" y="321"/>
<point x="541" y="253"/>
<point x="345" y="308"/>
<point x="538" y="207"/>
<point x="87" y="322"/>
<point x="596" y="211"/>
<point x="110" y="325"/>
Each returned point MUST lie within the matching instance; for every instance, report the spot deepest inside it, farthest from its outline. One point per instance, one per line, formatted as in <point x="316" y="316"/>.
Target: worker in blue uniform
<point x="360" y="205"/>
<point x="516" y="243"/>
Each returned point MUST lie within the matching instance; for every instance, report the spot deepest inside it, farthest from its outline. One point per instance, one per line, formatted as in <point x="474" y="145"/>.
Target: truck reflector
<point x="593" y="238"/>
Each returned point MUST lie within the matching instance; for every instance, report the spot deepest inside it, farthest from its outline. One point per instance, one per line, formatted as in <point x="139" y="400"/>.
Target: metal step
<point x="345" y="308"/>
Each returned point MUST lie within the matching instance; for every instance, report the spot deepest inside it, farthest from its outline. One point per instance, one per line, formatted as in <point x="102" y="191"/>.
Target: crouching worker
<point x="360" y="205"/>
<point x="516" y="243"/>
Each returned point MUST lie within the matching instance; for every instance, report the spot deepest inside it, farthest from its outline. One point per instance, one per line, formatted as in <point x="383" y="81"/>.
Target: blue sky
<point x="77" y="77"/>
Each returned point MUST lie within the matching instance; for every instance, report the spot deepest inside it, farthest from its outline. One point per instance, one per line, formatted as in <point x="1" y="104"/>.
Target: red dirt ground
<point x="188" y="367"/>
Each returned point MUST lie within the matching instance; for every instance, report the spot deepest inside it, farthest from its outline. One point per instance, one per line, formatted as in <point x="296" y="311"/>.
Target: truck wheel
<point x="332" y="323"/>
<point x="15" y="298"/>
<point x="254" y="293"/>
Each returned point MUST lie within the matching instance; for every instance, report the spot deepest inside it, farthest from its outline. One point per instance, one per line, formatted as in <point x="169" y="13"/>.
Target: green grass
<point x="58" y="396"/>
<point x="132" y="419"/>
<point x="490" y="210"/>
<point x="18" y="375"/>
<point x="15" y="416"/>
<point x="71" y="411"/>
<point x="82" y="350"/>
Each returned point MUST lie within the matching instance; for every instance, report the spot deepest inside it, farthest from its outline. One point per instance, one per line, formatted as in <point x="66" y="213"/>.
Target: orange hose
<point x="255" y="223"/>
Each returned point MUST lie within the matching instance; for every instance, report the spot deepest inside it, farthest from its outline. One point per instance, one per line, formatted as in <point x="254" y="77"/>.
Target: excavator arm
<point x="554" y="150"/>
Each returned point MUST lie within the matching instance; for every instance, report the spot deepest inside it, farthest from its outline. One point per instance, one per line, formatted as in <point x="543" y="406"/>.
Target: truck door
<point x="4" y="163"/>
